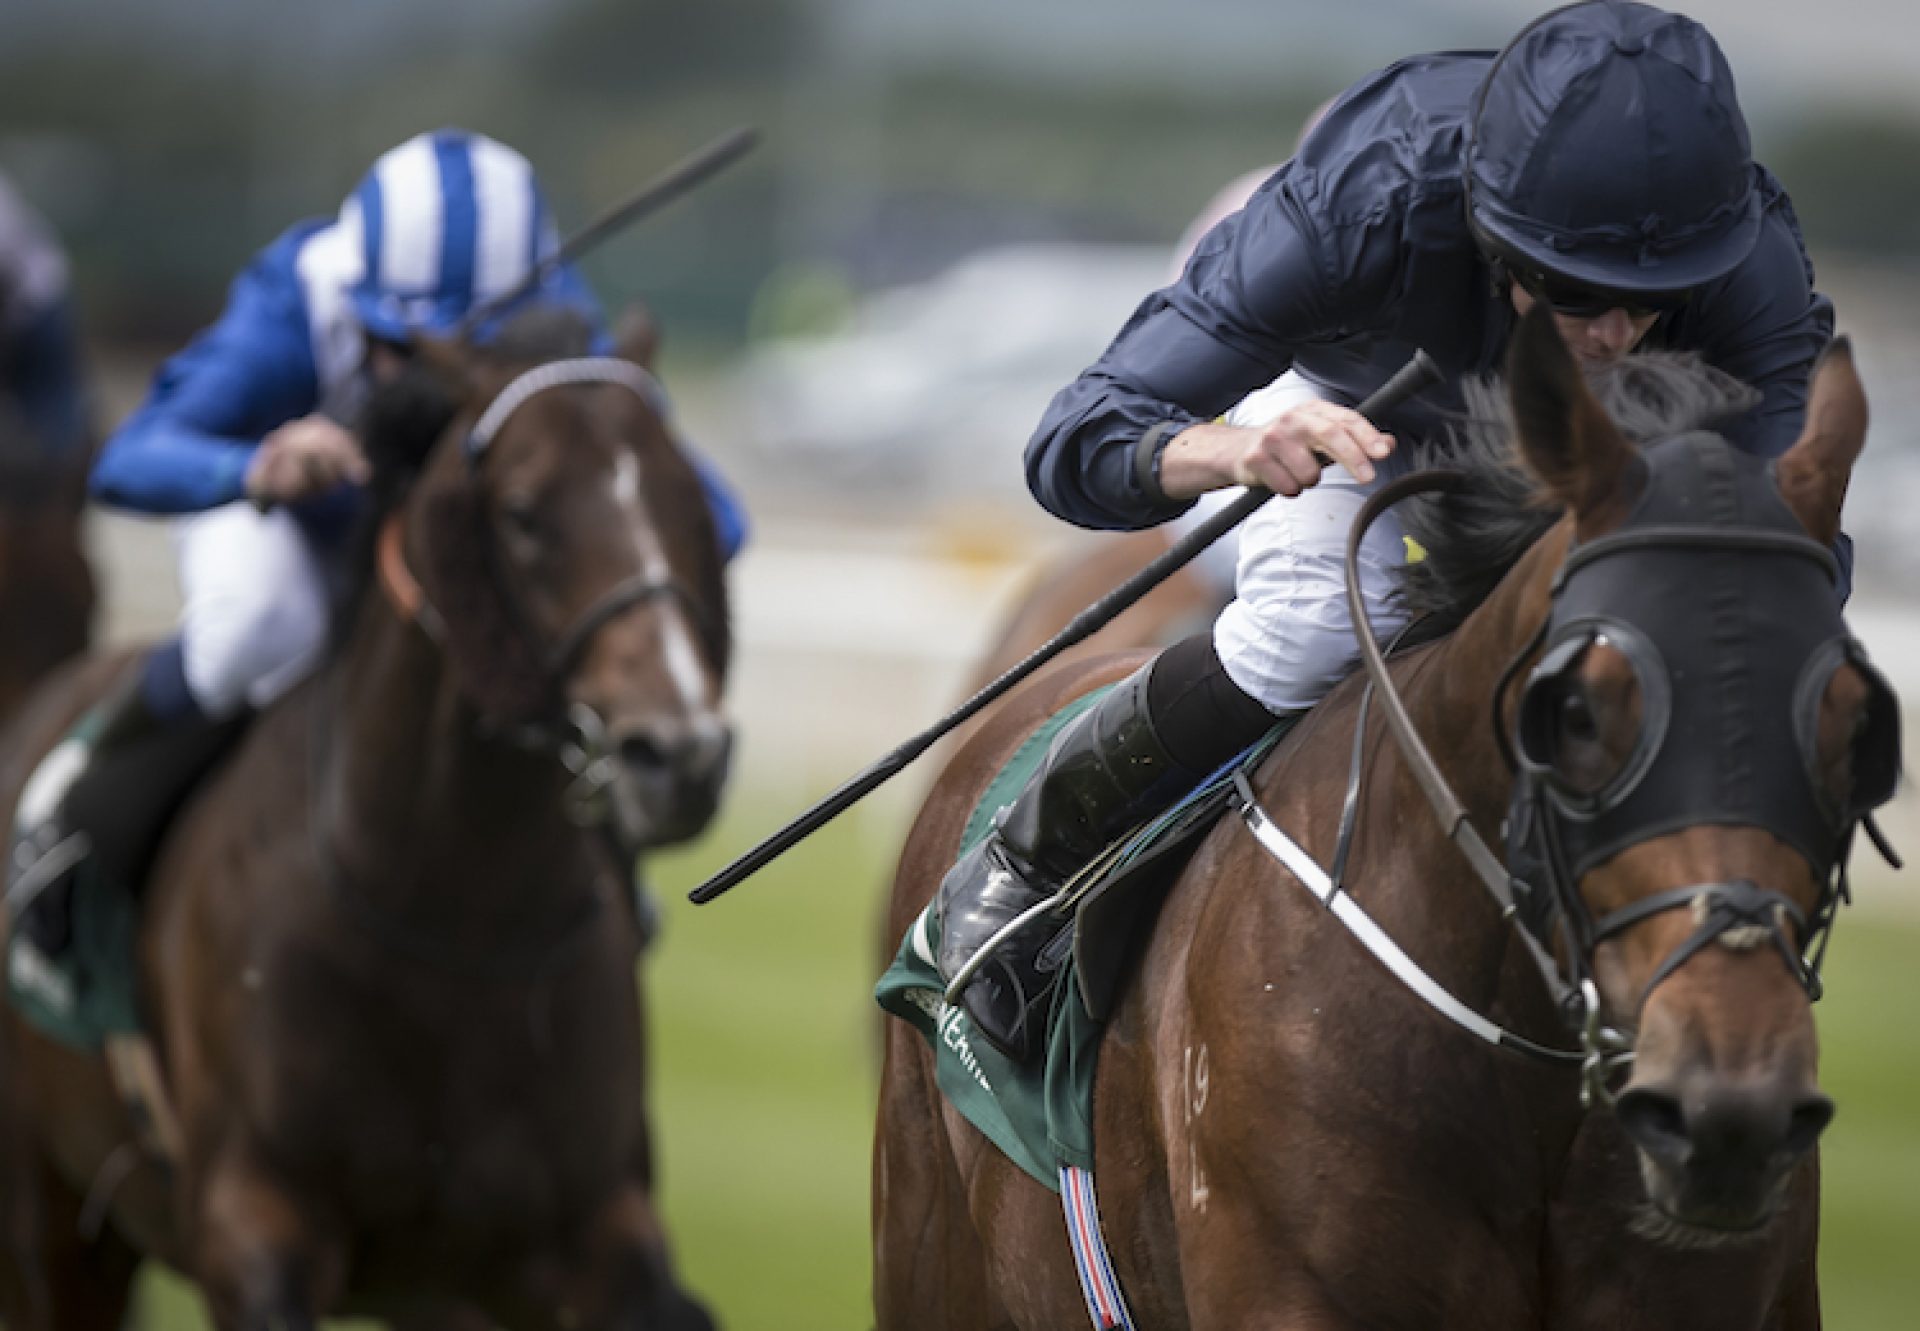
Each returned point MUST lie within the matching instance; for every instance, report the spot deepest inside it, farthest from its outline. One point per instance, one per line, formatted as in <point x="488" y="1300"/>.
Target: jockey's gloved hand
<point x="305" y="458"/>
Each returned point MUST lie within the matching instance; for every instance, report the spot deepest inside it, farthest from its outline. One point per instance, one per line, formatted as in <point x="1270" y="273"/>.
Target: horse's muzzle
<point x="1715" y="1152"/>
<point x="673" y="771"/>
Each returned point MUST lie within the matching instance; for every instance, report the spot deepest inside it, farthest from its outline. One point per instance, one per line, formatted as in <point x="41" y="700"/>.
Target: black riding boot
<point x="1150" y="740"/>
<point x="99" y="802"/>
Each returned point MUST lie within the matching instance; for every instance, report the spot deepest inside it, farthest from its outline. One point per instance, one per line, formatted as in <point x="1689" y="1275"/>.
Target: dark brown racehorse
<point x="388" y="948"/>
<point x="1287" y="1138"/>
<point x="46" y="585"/>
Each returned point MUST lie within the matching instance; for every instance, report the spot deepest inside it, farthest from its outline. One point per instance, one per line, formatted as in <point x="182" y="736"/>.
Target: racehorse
<point x="387" y="950"/>
<point x="46" y="584"/>
<point x="1284" y="1136"/>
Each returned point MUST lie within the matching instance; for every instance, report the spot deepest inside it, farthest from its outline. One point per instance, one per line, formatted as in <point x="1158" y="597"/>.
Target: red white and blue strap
<point x="1097" y="1282"/>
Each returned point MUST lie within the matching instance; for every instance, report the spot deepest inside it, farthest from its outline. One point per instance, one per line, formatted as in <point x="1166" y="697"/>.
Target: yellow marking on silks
<point x="1415" y="551"/>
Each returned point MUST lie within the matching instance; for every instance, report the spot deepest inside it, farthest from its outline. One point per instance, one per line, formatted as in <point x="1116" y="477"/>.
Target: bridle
<point x="645" y="585"/>
<point x="574" y="733"/>
<point x="1552" y="911"/>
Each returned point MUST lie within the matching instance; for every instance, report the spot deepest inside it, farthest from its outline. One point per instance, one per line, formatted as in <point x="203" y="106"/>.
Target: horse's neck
<point x="1450" y="694"/>
<point x="415" y="804"/>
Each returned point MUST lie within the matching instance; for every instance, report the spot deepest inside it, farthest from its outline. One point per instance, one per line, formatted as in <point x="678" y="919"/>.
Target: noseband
<point x="1714" y="745"/>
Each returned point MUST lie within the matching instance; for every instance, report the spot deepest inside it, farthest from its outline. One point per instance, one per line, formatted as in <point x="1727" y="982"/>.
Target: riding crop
<point x="1415" y="375"/>
<point x="655" y="194"/>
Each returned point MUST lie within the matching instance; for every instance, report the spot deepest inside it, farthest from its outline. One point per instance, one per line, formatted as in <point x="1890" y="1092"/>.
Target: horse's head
<point x="567" y="552"/>
<point x="1697" y="739"/>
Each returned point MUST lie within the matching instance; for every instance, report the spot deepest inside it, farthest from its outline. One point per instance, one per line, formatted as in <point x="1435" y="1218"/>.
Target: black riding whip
<point x="1415" y="375"/>
<point x="661" y="190"/>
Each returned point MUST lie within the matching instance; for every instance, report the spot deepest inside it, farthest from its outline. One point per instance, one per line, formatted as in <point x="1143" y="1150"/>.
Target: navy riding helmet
<point x="1607" y="152"/>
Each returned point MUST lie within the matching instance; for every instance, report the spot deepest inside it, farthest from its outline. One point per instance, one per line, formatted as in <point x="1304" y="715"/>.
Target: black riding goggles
<point x="1557" y="740"/>
<point x="1574" y="301"/>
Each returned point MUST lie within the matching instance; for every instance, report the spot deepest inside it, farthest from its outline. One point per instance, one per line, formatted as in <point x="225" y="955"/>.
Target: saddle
<point x="88" y="993"/>
<point x="1040" y="1113"/>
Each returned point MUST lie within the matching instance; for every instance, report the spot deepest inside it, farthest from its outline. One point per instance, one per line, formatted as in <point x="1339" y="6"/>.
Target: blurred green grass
<point x="765" y="1054"/>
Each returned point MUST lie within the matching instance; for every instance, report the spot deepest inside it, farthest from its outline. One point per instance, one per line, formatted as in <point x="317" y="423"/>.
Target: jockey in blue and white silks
<point x="238" y="440"/>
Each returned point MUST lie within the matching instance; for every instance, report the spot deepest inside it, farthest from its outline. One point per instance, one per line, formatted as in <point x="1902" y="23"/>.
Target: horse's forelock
<point x="1471" y="537"/>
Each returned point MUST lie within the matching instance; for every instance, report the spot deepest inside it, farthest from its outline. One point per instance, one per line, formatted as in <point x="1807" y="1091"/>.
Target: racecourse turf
<point x="766" y="1050"/>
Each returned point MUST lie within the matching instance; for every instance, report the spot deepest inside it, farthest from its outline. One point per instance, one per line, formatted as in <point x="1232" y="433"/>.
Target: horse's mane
<point x="1473" y="536"/>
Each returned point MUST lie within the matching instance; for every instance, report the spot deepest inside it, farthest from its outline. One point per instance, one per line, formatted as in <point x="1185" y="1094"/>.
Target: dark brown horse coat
<point x="1286" y="1137"/>
<point x="391" y="980"/>
<point x="46" y="585"/>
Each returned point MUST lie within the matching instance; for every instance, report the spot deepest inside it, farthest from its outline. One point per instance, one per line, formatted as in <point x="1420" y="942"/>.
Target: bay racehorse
<point x="1287" y="1137"/>
<point x="387" y="950"/>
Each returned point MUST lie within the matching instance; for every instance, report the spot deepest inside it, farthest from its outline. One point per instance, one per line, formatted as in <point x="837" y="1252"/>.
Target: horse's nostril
<point x="1724" y="1124"/>
<point x="642" y="750"/>
<point x="1656" y="1123"/>
<point x="1810" y="1118"/>
<point x="692" y="751"/>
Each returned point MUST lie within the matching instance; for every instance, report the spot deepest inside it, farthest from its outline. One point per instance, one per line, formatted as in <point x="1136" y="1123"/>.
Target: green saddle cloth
<point x="1039" y="1114"/>
<point x="89" y="993"/>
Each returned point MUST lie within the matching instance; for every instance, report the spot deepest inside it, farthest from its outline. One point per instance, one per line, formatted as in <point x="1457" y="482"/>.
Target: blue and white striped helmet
<point x="447" y="220"/>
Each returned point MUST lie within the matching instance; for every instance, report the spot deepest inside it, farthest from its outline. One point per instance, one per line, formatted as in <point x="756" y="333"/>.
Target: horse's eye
<point x="522" y="517"/>
<point x="1576" y="717"/>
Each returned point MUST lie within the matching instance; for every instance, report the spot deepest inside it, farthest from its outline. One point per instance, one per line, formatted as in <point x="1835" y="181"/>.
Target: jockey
<point x="39" y="353"/>
<point x="1599" y="163"/>
<point x="239" y="436"/>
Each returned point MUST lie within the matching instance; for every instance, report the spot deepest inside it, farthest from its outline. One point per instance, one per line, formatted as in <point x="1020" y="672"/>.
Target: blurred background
<point x="955" y="207"/>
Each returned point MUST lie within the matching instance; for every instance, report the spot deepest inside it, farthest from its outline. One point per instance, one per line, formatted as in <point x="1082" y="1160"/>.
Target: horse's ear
<point x="636" y="337"/>
<point x="1813" y="474"/>
<point x="1565" y="435"/>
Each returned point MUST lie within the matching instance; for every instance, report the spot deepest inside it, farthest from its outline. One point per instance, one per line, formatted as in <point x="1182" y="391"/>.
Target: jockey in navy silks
<point x="40" y="370"/>
<point x="233" y="441"/>
<point x="1599" y="163"/>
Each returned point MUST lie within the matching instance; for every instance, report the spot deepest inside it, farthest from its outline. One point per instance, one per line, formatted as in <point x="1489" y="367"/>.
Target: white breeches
<point x="1287" y="638"/>
<point x="254" y="616"/>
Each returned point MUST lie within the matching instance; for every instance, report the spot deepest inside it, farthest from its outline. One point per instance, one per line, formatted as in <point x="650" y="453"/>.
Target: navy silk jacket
<point x="1355" y="253"/>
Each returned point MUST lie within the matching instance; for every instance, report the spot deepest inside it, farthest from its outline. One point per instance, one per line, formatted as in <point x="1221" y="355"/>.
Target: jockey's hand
<point x="305" y="457"/>
<point x="1285" y="455"/>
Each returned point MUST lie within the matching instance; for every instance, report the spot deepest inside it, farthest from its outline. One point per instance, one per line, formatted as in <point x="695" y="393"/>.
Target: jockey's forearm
<point x="159" y="466"/>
